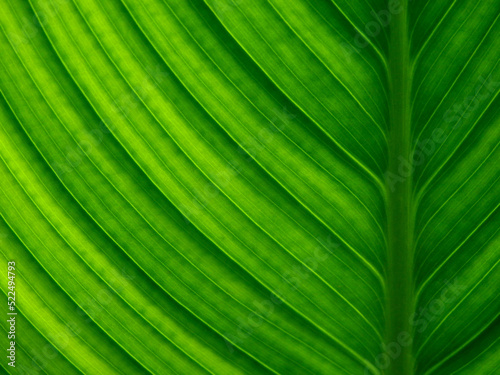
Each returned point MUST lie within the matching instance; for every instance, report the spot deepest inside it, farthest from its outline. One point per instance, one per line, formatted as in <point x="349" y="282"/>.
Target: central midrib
<point x="400" y="294"/>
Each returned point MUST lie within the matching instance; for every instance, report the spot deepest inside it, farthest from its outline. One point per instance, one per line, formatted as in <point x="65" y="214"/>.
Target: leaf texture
<point x="251" y="187"/>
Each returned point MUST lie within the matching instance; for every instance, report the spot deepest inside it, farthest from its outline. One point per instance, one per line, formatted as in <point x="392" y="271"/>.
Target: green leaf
<point x="250" y="187"/>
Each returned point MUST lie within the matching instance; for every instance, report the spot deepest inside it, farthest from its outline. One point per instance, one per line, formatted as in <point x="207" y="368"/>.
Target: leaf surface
<point x="265" y="187"/>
